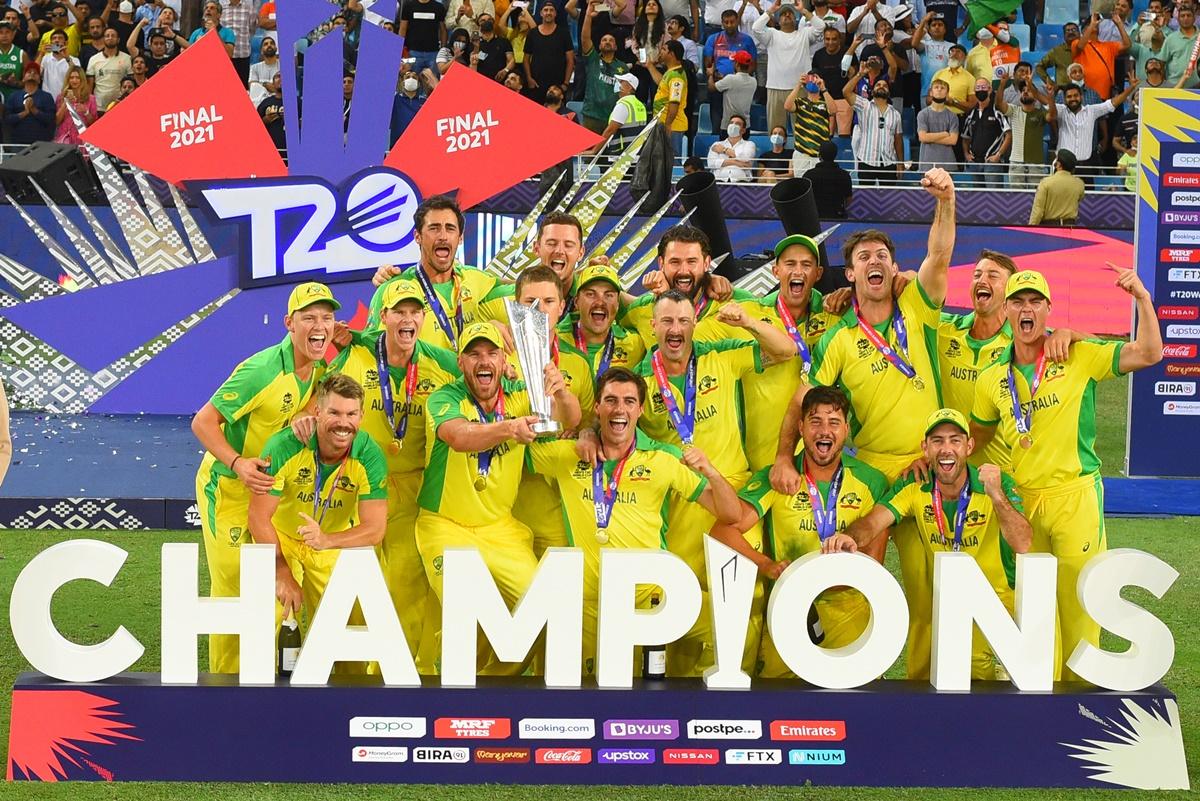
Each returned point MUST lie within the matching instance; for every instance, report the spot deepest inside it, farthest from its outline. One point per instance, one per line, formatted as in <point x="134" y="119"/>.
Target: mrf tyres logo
<point x="472" y="728"/>
<point x="724" y="729"/>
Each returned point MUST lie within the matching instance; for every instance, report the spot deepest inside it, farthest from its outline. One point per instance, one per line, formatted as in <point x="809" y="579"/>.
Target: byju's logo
<point x="293" y="226"/>
<point x="641" y="729"/>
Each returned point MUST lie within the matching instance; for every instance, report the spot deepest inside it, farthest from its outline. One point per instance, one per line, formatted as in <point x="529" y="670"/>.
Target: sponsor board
<point x="1173" y="351"/>
<point x="563" y="756"/>
<point x="641" y="729"/>
<point x="1182" y="369"/>
<point x="556" y="728"/>
<point x="625" y="756"/>
<point x="1183" y="331"/>
<point x="1181" y="388"/>
<point x="472" y="728"/>
<point x="1181" y="407"/>
<point x="1179" y="255"/>
<point x="691" y="756"/>
<point x="1188" y="275"/>
<point x="511" y="755"/>
<point x="427" y="754"/>
<point x="724" y="729"/>
<point x="816" y="756"/>
<point x="808" y="730"/>
<point x="379" y="753"/>
<point x="1187" y="237"/>
<point x="1186" y="199"/>
<point x="1181" y="217"/>
<point x="1186" y="160"/>
<point x="753" y="756"/>
<point x="1178" y="312"/>
<point x="370" y="726"/>
<point x="1181" y="179"/>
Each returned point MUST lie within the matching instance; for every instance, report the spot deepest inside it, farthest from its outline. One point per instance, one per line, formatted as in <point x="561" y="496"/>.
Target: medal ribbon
<point x="789" y="323"/>
<point x="321" y="507"/>
<point x="960" y="515"/>
<point x="385" y="386"/>
<point x="605" y="496"/>
<point x="606" y="352"/>
<point x="1024" y="421"/>
<point x="485" y="457"/>
<point x="684" y="423"/>
<point x="435" y="303"/>
<point x="897" y="360"/>
<point x="826" y="518"/>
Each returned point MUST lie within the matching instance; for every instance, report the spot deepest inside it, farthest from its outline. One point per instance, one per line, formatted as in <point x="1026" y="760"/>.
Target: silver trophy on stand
<point x="531" y="333"/>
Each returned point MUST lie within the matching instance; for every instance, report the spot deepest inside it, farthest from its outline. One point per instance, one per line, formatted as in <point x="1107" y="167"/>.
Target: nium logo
<point x="433" y="754"/>
<point x="816" y="756"/>
<point x="518" y="755"/>
<point x="379" y="753"/>
<point x="808" y="730"/>
<point x="691" y="756"/>
<point x="387" y="727"/>
<point x="724" y="729"/>
<point x="563" y="756"/>
<point x="473" y="728"/>
<point x="625" y="756"/>
<point x="754" y="756"/>
<point x="557" y="728"/>
<point x="641" y="729"/>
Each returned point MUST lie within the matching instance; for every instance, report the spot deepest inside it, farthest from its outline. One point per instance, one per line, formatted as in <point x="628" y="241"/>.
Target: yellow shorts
<point x="539" y="507"/>
<point x="591" y="607"/>
<point x="507" y="549"/>
<point x="844" y="615"/>
<point x="1068" y="521"/>
<point x="405" y="573"/>
<point x="312" y="570"/>
<point x="223" y="503"/>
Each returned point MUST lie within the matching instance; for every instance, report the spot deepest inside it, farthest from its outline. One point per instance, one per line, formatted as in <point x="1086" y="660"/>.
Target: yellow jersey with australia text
<point x="961" y="358"/>
<point x="467" y="287"/>
<point x="639" y="316"/>
<point x="628" y="349"/>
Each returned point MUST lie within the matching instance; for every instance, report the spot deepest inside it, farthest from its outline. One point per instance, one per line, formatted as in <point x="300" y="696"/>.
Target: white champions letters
<point x="553" y="604"/>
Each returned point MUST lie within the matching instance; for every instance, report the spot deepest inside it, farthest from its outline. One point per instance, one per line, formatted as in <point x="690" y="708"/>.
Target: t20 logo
<point x="296" y="225"/>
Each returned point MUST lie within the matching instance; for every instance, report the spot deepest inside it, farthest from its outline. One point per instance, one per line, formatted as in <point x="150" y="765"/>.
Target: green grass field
<point x="89" y="613"/>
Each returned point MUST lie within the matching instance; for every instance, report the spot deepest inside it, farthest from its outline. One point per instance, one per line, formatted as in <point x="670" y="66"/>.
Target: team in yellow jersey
<point x="782" y="426"/>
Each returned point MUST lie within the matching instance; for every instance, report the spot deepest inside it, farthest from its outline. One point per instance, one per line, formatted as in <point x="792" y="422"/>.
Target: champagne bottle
<point x="289" y="646"/>
<point x="654" y="657"/>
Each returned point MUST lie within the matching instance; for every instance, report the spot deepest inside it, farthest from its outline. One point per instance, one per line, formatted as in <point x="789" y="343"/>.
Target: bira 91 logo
<point x="433" y="754"/>
<point x="808" y="730"/>
<point x="563" y="756"/>
<point x="301" y="225"/>
<point x="472" y="728"/>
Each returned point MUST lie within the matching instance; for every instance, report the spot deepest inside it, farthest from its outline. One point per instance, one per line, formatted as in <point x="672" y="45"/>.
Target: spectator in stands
<point x="672" y="97"/>
<point x="1006" y="53"/>
<point x="688" y="12"/>
<point x="831" y="18"/>
<point x="1177" y="47"/>
<point x="979" y="59"/>
<point x="1058" y="195"/>
<point x="166" y="25"/>
<point x="603" y="69"/>
<point x="864" y="18"/>
<point x="627" y="118"/>
<point x="12" y="62"/>
<point x="930" y="41"/>
<point x="1127" y="165"/>
<point x="55" y="63"/>
<point x="678" y="30"/>
<point x="457" y="49"/>
<point x="549" y="55"/>
<point x="831" y="184"/>
<point x="1110" y="30"/>
<point x="649" y="30"/>
<point x="719" y="51"/>
<point x="827" y="65"/>
<point x="788" y="50"/>
<point x="961" y="97"/>
<point x="776" y="164"/>
<point x="270" y="110"/>
<point x="1143" y="52"/>
<point x="157" y="55"/>
<point x="266" y="18"/>
<point x="467" y="13"/>
<point x="57" y="16"/>
<point x="263" y="71"/>
<point x="1060" y="57"/>
<point x="29" y="115"/>
<point x="413" y="89"/>
<point x="493" y="56"/>
<point x="94" y="43"/>
<point x="122" y="22"/>
<point x="79" y="96"/>
<point x="423" y="26"/>
<point x="347" y="96"/>
<point x="1012" y="92"/>
<point x="1098" y="58"/>
<point x="1077" y="124"/>
<point x="811" y="106"/>
<point x="732" y="159"/>
<point x="877" y="137"/>
<point x="212" y="21"/>
<point x="937" y="130"/>
<point x="986" y="139"/>
<point x="736" y="90"/>
<point x="693" y="164"/>
<point x="514" y="24"/>
<point x="108" y="68"/>
<point x="1028" y="117"/>
<point x="886" y="51"/>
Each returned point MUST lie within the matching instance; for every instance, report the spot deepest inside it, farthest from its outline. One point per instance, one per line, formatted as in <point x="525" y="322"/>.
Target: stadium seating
<point x="1048" y="38"/>
<point x="1021" y="34"/>
<point x="1058" y="12"/>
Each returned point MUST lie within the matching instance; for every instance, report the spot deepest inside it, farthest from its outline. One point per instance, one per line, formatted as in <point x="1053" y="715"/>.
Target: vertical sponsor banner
<point x="1164" y="406"/>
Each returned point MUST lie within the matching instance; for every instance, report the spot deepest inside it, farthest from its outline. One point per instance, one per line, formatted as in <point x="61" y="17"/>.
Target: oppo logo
<point x="387" y="727"/>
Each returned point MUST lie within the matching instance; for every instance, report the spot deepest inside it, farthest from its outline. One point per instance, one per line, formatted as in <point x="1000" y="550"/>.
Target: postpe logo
<point x="724" y="729"/>
<point x="387" y="727"/>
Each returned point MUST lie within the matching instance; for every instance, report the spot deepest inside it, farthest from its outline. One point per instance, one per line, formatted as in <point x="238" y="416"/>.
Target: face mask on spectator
<point x="733" y="130"/>
<point x="410" y="85"/>
<point x="777" y="139"/>
<point x="487" y="26"/>
<point x="1077" y="82"/>
<point x="982" y="94"/>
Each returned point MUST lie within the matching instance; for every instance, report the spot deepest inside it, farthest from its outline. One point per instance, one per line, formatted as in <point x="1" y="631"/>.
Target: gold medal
<point x="1026" y="441"/>
<point x="394" y="447"/>
<point x="480" y="483"/>
<point x="601" y="536"/>
<point x="918" y="384"/>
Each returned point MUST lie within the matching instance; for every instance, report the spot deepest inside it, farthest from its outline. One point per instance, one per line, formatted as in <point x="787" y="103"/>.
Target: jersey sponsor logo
<point x="976" y="518"/>
<point x="656" y="402"/>
<point x="1189" y="408"/>
<point x="229" y="396"/>
<point x="379" y="753"/>
<point x="513" y="755"/>
<point x="625" y="756"/>
<point x="191" y="516"/>
<point x="691" y="756"/>
<point x="369" y="726"/>
<point x="345" y="484"/>
<point x="1055" y="370"/>
<point x="865" y="350"/>
<point x="816" y="327"/>
<point x="437" y="565"/>
<point x="563" y="756"/>
<point x="473" y="728"/>
<point x="724" y="729"/>
<point x="1178" y="312"/>
<point x="235" y="534"/>
<point x="304" y="475"/>
<point x="1175" y="351"/>
<point x="753" y="756"/>
<point x="641" y="729"/>
<point x="371" y="379"/>
<point x="557" y="728"/>
<point x="808" y="730"/>
<point x="581" y="470"/>
<point x="1185" y="388"/>
<point x="432" y="754"/>
<point x="816" y="756"/>
<point x="425" y="386"/>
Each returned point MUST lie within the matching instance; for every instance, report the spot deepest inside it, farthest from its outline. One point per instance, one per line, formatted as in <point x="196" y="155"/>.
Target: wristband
<point x="235" y="461"/>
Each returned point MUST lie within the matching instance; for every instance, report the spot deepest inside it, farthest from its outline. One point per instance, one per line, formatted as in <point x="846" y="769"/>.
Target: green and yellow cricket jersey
<point x="639" y="316"/>
<point x="720" y="366"/>
<point x="653" y="478"/>
<point x="472" y="286"/>
<point x="961" y="357"/>
<point x="258" y="399"/>
<point x="887" y="411"/>
<point x="449" y="485"/>
<point x="628" y="348"/>
<point x="436" y="367"/>
<point x="298" y="474"/>
<point x="981" y="537"/>
<point x="1063" y="419"/>
<point x="791" y="530"/>
<point x="769" y="391"/>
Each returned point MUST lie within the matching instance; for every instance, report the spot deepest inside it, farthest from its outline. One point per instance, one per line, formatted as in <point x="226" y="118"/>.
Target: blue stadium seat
<point x="1056" y="15"/>
<point x="1020" y="33"/>
<point x="256" y="47"/>
<point x="702" y="123"/>
<point x="702" y="144"/>
<point x="1033" y="57"/>
<point x="758" y="118"/>
<point x="1048" y="38"/>
<point x="762" y="142"/>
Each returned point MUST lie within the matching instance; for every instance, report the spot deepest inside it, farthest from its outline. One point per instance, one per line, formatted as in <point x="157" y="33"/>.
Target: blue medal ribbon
<point x="1024" y="420"/>
<point x="960" y="514"/>
<point x="604" y="496"/>
<point x="485" y="457"/>
<point x="789" y="324"/>
<point x="825" y="517"/>
<point x="898" y="360"/>
<point x="435" y="303"/>
<point x="684" y="423"/>
<point x="399" y="429"/>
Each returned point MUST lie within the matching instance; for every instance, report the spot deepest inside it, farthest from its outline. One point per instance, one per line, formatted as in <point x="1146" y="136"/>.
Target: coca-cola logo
<point x="563" y="756"/>
<point x="1179" y="351"/>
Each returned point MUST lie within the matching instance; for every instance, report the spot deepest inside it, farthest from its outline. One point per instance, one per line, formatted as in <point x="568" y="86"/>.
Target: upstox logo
<point x="724" y="729"/>
<point x="816" y="756"/>
<point x="808" y="730"/>
<point x="473" y="728"/>
<point x="387" y="727"/>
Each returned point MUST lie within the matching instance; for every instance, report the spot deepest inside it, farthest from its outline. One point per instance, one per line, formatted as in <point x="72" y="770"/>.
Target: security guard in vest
<point x="627" y="120"/>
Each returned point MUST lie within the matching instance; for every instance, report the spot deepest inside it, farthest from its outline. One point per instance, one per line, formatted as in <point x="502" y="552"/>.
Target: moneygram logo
<point x="557" y="728"/>
<point x="691" y="756"/>
<point x="1181" y="407"/>
<point x="516" y="755"/>
<point x="387" y="727"/>
<point x="1179" y="351"/>
<point x="625" y="756"/>
<point x="457" y="755"/>
<point x="641" y="729"/>
<point x="473" y="728"/>
<point x="819" y="756"/>
<point x="379" y="753"/>
<point x="563" y="756"/>
<point x="808" y="730"/>
<point x="724" y="729"/>
<point x="754" y="756"/>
